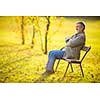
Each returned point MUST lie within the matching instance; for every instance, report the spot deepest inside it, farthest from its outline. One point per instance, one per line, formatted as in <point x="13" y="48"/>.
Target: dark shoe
<point x="47" y="72"/>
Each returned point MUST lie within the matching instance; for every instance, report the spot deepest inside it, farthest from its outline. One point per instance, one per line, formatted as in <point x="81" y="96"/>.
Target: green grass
<point x="20" y="63"/>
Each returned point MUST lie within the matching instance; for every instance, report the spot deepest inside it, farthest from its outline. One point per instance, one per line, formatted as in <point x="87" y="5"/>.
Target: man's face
<point x="79" y="28"/>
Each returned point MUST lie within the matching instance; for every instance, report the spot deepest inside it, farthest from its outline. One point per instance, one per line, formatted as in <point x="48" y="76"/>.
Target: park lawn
<point x="20" y="63"/>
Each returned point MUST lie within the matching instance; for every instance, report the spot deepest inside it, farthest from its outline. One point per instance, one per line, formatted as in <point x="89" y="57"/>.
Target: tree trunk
<point x="22" y="29"/>
<point x="33" y="37"/>
<point x="46" y="35"/>
<point x="40" y="34"/>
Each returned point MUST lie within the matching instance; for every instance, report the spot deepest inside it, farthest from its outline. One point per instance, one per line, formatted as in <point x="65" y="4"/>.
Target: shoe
<point x="47" y="72"/>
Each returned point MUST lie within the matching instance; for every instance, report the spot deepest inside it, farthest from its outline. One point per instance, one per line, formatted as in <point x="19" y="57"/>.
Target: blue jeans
<point x="53" y="55"/>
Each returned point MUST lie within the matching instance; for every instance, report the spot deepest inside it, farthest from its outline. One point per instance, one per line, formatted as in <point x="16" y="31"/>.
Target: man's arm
<point x="78" y="41"/>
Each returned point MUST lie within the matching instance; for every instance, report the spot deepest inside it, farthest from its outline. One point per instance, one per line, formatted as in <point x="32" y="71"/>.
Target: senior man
<point x="71" y="51"/>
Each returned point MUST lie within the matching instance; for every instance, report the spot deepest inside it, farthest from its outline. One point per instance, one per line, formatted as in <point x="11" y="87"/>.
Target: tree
<point x="20" y="23"/>
<point x="22" y="30"/>
<point x="32" y="20"/>
<point x="46" y="34"/>
<point x="33" y="36"/>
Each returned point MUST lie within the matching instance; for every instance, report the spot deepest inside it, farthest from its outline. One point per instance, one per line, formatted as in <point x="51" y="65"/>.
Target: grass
<point x="20" y="63"/>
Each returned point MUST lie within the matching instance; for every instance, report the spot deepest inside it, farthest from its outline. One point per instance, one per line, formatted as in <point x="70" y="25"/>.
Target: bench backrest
<point x="86" y="49"/>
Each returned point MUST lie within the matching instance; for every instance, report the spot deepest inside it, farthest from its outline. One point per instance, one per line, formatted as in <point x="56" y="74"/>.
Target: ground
<point x="20" y="63"/>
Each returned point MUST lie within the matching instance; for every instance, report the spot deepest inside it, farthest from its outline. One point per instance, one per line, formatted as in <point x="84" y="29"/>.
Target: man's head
<point x="80" y="27"/>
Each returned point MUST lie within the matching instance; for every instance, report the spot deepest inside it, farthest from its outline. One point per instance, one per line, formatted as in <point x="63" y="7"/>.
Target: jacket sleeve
<point x="67" y="39"/>
<point x="78" y="41"/>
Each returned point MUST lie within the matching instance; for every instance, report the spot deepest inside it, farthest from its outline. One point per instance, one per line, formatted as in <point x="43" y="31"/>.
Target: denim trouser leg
<point x="53" y="55"/>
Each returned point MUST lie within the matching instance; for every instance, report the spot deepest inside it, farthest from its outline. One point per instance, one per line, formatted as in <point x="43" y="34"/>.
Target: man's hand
<point x="67" y="39"/>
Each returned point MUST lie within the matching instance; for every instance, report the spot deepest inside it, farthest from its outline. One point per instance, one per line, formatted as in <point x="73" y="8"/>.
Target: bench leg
<point x="66" y="70"/>
<point x="81" y="70"/>
<point x="57" y="64"/>
<point x="71" y="67"/>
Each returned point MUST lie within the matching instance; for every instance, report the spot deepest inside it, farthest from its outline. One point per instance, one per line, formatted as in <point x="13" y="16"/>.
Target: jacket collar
<point x="80" y="33"/>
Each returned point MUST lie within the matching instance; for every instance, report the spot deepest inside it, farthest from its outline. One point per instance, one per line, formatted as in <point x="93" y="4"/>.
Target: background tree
<point x="32" y="20"/>
<point x="22" y="30"/>
<point x="37" y="24"/>
<point x="46" y="34"/>
<point x="20" y="27"/>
